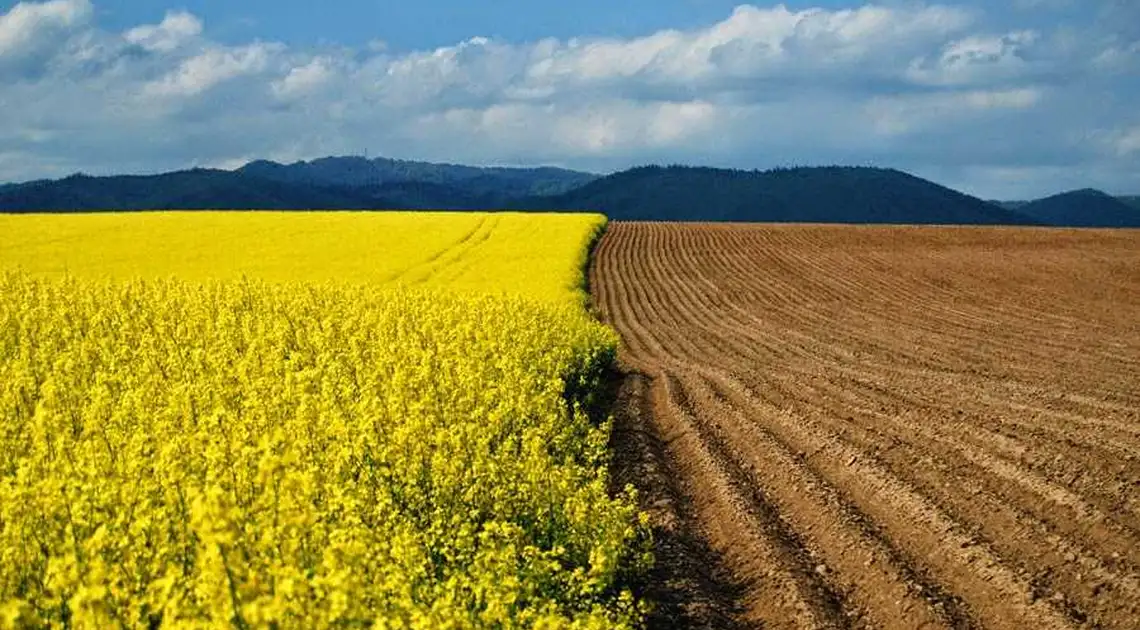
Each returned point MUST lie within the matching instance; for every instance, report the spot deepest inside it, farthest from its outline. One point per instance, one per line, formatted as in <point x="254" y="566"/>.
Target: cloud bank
<point x="934" y="89"/>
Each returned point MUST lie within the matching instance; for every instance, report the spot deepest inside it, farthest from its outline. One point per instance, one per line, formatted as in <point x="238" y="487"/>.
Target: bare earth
<point x="881" y="427"/>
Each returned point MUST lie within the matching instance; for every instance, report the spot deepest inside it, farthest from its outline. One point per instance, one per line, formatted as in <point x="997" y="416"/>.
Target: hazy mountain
<point x="835" y="194"/>
<point x="1133" y="201"/>
<point x="1083" y="208"/>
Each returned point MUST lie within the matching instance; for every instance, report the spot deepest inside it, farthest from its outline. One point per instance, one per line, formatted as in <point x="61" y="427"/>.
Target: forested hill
<point x="1083" y="208"/>
<point x="492" y="182"/>
<point x="836" y="194"/>
<point x="348" y="183"/>
<point x="205" y="189"/>
<point x="832" y="194"/>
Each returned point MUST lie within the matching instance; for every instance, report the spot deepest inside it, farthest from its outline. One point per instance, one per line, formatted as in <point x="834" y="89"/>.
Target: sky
<point x="1010" y="99"/>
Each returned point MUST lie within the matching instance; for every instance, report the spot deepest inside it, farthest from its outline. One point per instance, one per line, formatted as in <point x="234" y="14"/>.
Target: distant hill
<point x="270" y="186"/>
<point x="831" y="194"/>
<point x="191" y="190"/>
<point x="1133" y="201"/>
<point x="1083" y="208"/>
<point x="834" y="194"/>
<point x="478" y="182"/>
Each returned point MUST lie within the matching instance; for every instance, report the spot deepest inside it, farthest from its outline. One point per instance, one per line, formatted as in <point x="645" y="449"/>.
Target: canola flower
<point x="244" y="453"/>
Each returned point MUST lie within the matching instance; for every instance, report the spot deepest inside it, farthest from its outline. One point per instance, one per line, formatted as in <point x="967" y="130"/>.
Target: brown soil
<point x="881" y="427"/>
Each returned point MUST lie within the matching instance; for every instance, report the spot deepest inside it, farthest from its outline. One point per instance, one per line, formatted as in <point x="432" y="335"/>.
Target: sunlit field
<point x="526" y="254"/>
<point x="306" y="420"/>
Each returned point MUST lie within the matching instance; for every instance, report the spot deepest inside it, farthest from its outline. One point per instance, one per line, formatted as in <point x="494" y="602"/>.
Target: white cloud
<point x="674" y="123"/>
<point x="474" y="70"/>
<point x="904" y="114"/>
<point x="27" y="22"/>
<point x="977" y="59"/>
<point x="212" y="67"/>
<point x="1123" y="142"/>
<point x="932" y="88"/>
<point x="305" y="79"/>
<point x="30" y="33"/>
<point x="175" y="30"/>
<point x="753" y="42"/>
<point x="1122" y="59"/>
<point x="578" y="131"/>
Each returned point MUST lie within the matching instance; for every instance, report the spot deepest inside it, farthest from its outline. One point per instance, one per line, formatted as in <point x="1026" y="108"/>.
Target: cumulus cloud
<point x="978" y="59"/>
<point x="211" y="67"/>
<point x="936" y="89"/>
<point x="27" y="24"/>
<point x="30" y="33"/>
<point x="753" y="43"/>
<point x="307" y="79"/>
<point x="175" y="30"/>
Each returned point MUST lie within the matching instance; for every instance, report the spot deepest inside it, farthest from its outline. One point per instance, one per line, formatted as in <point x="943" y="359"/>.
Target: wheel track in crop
<point x="447" y="257"/>
<point x="882" y="427"/>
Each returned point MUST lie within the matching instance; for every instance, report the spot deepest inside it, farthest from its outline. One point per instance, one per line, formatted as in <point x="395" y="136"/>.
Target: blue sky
<point x="1000" y="99"/>
<point x="433" y="23"/>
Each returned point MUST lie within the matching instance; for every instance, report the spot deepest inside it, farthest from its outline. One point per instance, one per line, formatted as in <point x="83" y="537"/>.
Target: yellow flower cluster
<point x="248" y="454"/>
<point x="241" y="453"/>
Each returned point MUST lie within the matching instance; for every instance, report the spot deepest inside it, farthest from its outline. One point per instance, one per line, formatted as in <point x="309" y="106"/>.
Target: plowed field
<point x="881" y="427"/>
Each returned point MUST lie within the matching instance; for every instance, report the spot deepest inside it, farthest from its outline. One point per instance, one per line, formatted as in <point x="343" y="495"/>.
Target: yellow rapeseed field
<point x="534" y="255"/>
<point x="308" y="420"/>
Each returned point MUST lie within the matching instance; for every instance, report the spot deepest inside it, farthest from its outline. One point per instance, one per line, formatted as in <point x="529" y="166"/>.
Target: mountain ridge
<point x="821" y="194"/>
<point x="1084" y="207"/>
<point x="815" y="194"/>
<point x="355" y="171"/>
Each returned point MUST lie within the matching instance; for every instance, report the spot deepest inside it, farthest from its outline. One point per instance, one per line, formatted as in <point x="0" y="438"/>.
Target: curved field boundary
<point x="881" y="427"/>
